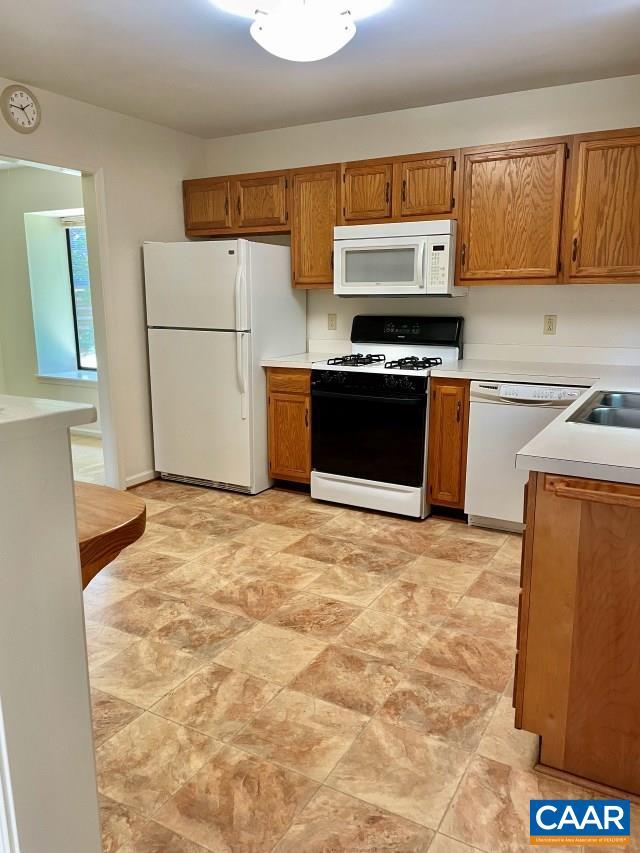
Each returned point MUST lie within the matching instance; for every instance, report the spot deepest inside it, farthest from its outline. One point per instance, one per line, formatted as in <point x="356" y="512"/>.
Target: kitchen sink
<point x="610" y="408"/>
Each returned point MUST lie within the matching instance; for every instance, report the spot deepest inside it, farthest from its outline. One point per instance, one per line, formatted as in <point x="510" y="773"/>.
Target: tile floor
<point x="88" y="460"/>
<point x="273" y="674"/>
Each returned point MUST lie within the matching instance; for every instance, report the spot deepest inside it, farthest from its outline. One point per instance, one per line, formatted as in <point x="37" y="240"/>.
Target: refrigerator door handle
<point x="241" y="290"/>
<point x="241" y="370"/>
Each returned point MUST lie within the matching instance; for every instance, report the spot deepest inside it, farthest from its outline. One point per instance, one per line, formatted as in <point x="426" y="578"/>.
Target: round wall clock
<point x="20" y="108"/>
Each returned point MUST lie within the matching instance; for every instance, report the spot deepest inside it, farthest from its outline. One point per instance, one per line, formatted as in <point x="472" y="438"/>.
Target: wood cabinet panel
<point x="290" y="436"/>
<point x="581" y="688"/>
<point x="206" y="204"/>
<point x="424" y="187"/>
<point x="604" y="231"/>
<point x="290" y="379"/>
<point x="260" y="201"/>
<point x="512" y="213"/>
<point x="448" y="432"/>
<point x="367" y="191"/>
<point x="314" y="203"/>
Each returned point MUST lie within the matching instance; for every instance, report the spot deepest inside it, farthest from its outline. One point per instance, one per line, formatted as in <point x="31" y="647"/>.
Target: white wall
<point x="595" y="322"/>
<point x="141" y="166"/>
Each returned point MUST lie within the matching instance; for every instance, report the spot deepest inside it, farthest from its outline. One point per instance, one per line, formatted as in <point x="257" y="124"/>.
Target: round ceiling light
<point x="303" y="30"/>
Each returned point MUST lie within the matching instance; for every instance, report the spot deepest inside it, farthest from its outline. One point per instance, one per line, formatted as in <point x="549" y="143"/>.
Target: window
<point x="81" y="297"/>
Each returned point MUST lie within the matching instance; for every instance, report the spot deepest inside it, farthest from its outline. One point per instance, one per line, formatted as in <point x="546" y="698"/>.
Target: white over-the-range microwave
<point x="397" y="259"/>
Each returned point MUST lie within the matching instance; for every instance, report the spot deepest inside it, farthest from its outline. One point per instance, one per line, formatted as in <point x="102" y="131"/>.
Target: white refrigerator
<point x="215" y="309"/>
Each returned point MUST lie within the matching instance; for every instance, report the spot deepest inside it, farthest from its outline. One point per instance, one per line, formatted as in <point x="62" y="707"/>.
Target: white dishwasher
<point x="504" y="416"/>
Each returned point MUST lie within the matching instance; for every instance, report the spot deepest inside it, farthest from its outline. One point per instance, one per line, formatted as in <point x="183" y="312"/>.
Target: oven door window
<point x="368" y="437"/>
<point x="380" y="265"/>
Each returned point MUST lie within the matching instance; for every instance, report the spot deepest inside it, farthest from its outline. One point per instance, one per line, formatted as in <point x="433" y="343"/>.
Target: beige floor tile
<point x="478" y="534"/>
<point x="254" y="598"/>
<point x="485" y="619"/>
<point x="332" y="549"/>
<point x="453" y="577"/>
<point x="154" y="838"/>
<point x="508" y="557"/>
<point x="110" y="715"/>
<point x="154" y="506"/>
<point x="428" y="605"/>
<point x="185" y="544"/>
<point x="493" y="586"/>
<point x="468" y="658"/>
<point x="443" y="844"/>
<point x="104" y="590"/>
<point x="335" y="823"/>
<point x="147" y="761"/>
<point x="142" y="568"/>
<point x="325" y="549"/>
<point x="144" y="672"/>
<point x="382" y="530"/>
<point x="120" y="825"/>
<point x="490" y="810"/>
<point x="401" y="770"/>
<point x="237" y="803"/>
<point x="141" y="612"/>
<point x="349" y="678"/>
<point x="188" y="517"/>
<point x="457" y="549"/>
<point x="315" y="615"/>
<point x="286" y="569"/>
<point x="195" y="580"/>
<point x="104" y="642"/>
<point x="153" y="533"/>
<point x="271" y="537"/>
<point x="503" y="742"/>
<point x="444" y="709"/>
<point x="387" y="636"/>
<point x="165" y="490"/>
<point x="302" y="517"/>
<point x="352" y="586"/>
<point x="216" y="701"/>
<point x="302" y="733"/>
<point x="270" y="653"/>
<point x="201" y="631"/>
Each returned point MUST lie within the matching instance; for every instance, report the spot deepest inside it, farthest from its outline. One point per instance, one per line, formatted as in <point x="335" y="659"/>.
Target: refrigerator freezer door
<point x="196" y="285"/>
<point x="199" y="411"/>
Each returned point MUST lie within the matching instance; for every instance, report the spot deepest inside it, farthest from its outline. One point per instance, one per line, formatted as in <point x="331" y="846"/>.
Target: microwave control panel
<point x="439" y="264"/>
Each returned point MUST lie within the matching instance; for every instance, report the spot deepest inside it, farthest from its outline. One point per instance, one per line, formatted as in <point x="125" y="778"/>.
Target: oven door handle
<point x="369" y="398"/>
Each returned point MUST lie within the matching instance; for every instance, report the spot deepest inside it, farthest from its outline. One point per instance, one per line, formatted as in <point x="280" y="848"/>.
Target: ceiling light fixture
<point x="303" y="30"/>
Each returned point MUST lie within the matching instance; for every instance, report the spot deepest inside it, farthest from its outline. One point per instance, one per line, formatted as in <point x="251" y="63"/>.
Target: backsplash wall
<point x="596" y="323"/>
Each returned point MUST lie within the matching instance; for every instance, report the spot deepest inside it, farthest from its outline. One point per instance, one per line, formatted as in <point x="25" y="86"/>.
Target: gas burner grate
<point x="357" y="360"/>
<point x="412" y="362"/>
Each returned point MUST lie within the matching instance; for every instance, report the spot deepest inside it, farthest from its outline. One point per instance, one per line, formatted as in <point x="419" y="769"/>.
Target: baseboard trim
<point x="142" y="477"/>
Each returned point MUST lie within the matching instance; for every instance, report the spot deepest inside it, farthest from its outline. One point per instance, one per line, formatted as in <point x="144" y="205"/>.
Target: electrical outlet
<point x="550" y="324"/>
<point x="332" y="322"/>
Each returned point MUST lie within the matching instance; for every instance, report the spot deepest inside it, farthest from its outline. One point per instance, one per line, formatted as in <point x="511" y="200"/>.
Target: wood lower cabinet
<point x="424" y="186"/>
<point x="448" y="432"/>
<point x="604" y="208"/>
<point x="512" y="213"/>
<point x="207" y="205"/>
<point x="366" y="191"/>
<point x="260" y="202"/>
<point x="289" y="401"/>
<point x="314" y="206"/>
<point x="578" y="666"/>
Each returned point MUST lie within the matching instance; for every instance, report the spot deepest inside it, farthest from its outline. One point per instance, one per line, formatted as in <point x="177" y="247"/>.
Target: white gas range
<point x="369" y="413"/>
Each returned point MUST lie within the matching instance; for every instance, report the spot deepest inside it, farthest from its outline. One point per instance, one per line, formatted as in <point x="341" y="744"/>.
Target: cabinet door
<point x="260" y="202"/>
<point x="314" y="197"/>
<point x="426" y="186"/>
<point x="604" y="207"/>
<point x="206" y="204"/>
<point x="448" y="428"/>
<point x="289" y="436"/>
<point x="512" y="213"/>
<point x="367" y="191"/>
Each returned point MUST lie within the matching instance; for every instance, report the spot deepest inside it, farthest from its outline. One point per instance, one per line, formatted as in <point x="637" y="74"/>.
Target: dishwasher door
<point x="498" y="429"/>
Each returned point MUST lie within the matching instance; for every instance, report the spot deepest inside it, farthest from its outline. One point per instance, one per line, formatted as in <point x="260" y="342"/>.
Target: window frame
<point x="76" y="333"/>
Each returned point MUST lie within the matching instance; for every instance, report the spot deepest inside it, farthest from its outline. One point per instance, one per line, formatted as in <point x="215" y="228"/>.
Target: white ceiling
<point x="186" y="64"/>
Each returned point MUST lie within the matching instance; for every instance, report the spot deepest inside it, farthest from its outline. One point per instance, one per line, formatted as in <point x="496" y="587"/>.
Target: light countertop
<point x="21" y="416"/>
<point x="303" y="360"/>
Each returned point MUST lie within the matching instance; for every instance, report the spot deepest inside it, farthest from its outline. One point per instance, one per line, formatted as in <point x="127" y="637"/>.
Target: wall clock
<point x="20" y="108"/>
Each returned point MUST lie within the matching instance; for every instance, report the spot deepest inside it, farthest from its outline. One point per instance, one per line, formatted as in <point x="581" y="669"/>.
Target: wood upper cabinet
<point x="289" y="401"/>
<point x="448" y="431"/>
<point x="603" y="233"/>
<point x="366" y="190"/>
<point x="314" y="213"/>
<point x="578" y="674"/>
<point x="260" y="201"/>
<point x="512" y="213"/>
<point x="207" y="204"/>
<point x="424" y="186"/>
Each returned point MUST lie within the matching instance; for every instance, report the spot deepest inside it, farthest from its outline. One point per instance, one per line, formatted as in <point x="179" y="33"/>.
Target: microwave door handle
<point x="423" y="272"/>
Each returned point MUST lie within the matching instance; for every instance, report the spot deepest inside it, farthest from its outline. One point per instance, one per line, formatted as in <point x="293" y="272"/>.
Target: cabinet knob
<point x="463" y="255"/>
<point x="306" y="417"/>
<point x="458" y="411"/>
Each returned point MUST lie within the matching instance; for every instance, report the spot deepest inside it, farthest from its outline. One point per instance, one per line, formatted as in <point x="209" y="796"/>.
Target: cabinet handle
<point x="463" y="255"/>
<point x="574" y="249"/>
<point x="458" y="411"/>
<point x="238" y="205"/>
<point x="226" y="206"/>
<point x="628" y="496"/>
<point x="387" y="191"/>
<point x="404" y="191"/>
<point x="306" y="418"/>
<point x="332" y="260"/>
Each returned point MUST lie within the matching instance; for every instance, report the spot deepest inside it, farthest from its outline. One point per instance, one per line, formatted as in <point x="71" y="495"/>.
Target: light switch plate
<point x="550" y="324"/>
<point x="332" y="322"/>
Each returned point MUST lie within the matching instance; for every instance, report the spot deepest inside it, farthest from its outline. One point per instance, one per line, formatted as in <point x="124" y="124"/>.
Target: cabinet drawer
<point x="289" y="379"/>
